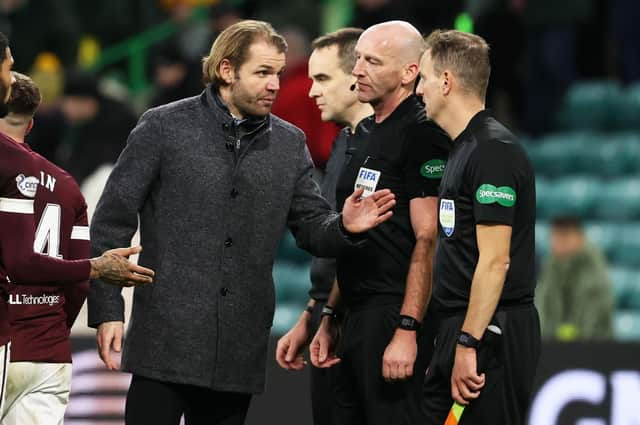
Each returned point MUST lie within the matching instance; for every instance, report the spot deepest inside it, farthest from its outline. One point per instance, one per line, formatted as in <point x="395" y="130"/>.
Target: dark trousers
<point x="151" y="402"/>
<point x="509" y="373"/>
<point x="321" y="379"/>
<point x="362" y="395"/>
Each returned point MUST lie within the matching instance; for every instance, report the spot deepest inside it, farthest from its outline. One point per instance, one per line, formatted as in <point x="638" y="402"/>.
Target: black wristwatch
<point x="408" y="323"/>
<point x="327" y="310"/>
<point x="468" y="340"/>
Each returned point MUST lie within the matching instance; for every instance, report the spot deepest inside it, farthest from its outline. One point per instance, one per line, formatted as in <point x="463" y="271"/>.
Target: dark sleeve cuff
<point x="353" y="238"/>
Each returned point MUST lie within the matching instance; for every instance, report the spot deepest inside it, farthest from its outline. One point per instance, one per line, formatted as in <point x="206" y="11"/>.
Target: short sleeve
<point x="493" y="173"/>
<point x="427" y="153"/>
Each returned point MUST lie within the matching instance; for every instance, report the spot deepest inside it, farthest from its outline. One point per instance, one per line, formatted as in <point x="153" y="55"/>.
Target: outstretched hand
<point x="361" y="214"/>
<point x="113" y="267"/>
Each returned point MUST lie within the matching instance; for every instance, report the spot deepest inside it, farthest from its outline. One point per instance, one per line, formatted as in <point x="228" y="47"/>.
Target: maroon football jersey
<point x="18" y="262"/>
<point x="41" y="316"/>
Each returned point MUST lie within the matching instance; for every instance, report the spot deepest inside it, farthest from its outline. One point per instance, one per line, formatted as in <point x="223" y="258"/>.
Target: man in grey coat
<point x="214" y="180"/>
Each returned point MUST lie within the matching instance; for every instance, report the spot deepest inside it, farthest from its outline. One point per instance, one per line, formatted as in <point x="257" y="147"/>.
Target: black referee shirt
<point x="405" y="153"/>
<point x="488" y="179"/>
<point x="323" y="270"/>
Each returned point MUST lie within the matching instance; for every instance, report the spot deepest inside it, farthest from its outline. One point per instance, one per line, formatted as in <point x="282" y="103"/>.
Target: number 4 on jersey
<point x="48" y="232"/>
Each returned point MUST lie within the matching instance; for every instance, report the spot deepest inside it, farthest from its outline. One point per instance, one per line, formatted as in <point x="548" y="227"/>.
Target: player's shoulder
<point x="280" y="125"/>
<point x="15" y="159"/>
<point x="503" y="149"/>
<point x="64" y="182"/>
<point x="427" y="133"/>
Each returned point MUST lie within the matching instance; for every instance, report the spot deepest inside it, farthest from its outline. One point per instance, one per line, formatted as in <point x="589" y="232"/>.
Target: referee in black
<point x="385" y="283"/>
<point x="484" y="262"/>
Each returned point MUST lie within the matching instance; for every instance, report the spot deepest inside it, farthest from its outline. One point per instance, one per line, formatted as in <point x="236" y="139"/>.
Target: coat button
<point x="228" y="242"/>
<point x="224" y="291"/>
<point x="234" y="192"/>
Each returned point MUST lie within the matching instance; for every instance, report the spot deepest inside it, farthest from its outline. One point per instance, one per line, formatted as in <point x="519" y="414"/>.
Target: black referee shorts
<point x="509" y="375"/>
<point x="362" y="396"/>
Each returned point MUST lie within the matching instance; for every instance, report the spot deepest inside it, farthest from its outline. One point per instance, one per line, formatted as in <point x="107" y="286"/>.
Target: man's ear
<point x="410" y="73"/>
<point x="448" y="81"/>
<point x="29" y="127"/>
<point x="227" y="71"/>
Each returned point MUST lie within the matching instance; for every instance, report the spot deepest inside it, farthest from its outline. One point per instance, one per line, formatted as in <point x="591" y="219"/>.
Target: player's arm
<point x="24" y="266"/>
<point x="494" y="242"/>
<point x="400" y="354"/>
<point x="495" y="176"/>
<point x="426" y="159"/>
<point x="74" y="295"/>
<point x="323" y="345"/>
<point x="423" y="213"/>
<point x="291" y="345"/>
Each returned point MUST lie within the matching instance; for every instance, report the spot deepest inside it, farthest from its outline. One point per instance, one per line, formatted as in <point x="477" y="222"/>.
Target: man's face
<point x="257" y="81"/>
<point x="429" y="87"/>
<point x="331" y="85"/>
<point x="565" y="242"/>
<point x="378" y="69"/>
<point x="6" y="77"/>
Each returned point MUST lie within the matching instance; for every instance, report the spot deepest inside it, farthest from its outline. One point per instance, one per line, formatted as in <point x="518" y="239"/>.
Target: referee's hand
<point x="322" y="348"/>
<point x="291" y="345"/>
<point x="400" y="356"/>
<point x="465" y="381"/>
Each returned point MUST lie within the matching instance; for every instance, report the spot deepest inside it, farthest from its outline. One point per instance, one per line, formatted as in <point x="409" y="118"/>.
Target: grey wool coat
<point x="210" y="226"/>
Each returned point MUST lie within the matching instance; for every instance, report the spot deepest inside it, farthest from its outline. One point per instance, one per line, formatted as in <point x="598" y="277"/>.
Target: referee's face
<point x="429" y="87"/>
<point x="378" y="68"/>
<point x="330" y="87"/>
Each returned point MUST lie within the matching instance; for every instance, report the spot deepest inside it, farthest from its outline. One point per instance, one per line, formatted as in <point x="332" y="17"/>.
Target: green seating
<point x="542" y="239"/>
<point x="589" y="105"/>
<point x="604" y="235"/>
<point x="289" y="251"/>
<point x="626" y="287"/>
<point x="291" y="281"/>
<point x="626" y="249"/>
<point x="626" y="325"/>
<point x="612" y="155"/>
<point x="285" y="317"/>
<point x="627" y="109"/>
<point x="618" y="199"/>
<point x="563" y="153"/>
<point x="574" y="195"/>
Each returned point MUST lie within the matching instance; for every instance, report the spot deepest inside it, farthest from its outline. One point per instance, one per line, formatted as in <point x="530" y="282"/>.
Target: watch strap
<point x="408" y="323"/>
<point x="468" y="340"/>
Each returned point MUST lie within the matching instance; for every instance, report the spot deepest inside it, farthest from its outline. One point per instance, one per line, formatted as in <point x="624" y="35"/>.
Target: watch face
<point x="467" y="340"/>
<point x="406" y="322"/>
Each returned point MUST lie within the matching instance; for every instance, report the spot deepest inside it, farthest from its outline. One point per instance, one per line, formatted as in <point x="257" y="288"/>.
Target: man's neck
<point x="457" y="118"/>
<point x="357" y="113"/>
<point x="225" y="96"/>
<point x="384" y="108"/>
<point x="16" y="134"/>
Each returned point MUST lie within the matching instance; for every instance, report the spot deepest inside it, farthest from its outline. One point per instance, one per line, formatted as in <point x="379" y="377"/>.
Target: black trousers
<point x="151" y="402"/>
<point x="509" y="373"/>
<point x="362" y="395"/>
<point x="322" y="381"/>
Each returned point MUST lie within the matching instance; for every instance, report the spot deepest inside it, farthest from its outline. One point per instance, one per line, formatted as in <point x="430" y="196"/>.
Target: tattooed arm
<point x="114" y="267"/>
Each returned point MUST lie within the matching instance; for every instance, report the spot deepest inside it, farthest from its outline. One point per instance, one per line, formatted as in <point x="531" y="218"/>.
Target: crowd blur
<point x="539" y="49"/>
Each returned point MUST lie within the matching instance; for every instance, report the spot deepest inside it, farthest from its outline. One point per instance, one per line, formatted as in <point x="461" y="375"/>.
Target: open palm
<point x="361" y="214"/>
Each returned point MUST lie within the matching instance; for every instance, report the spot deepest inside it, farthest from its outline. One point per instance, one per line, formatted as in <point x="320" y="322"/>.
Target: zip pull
<point x="237" y="144"/>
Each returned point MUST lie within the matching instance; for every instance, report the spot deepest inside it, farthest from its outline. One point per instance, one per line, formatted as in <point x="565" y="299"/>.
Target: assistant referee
<point x="484" y="262"/>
